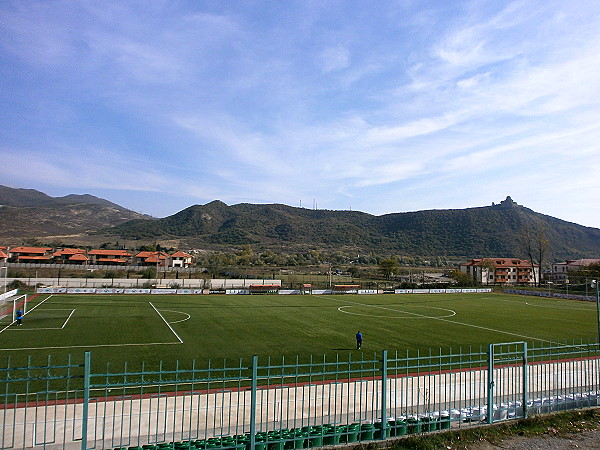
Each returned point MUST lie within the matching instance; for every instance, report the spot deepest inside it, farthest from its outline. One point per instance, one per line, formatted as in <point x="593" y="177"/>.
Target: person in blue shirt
<point x="358" y="340"/>
<point x="19" y="317"/>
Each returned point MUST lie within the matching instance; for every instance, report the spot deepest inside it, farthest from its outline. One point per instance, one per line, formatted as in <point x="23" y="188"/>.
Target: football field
<point x="154" y="328"/>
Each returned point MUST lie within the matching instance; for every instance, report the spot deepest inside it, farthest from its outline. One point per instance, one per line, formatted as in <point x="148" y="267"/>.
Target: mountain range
<point x="472" y="232"/>
<point x="27" y="215"/>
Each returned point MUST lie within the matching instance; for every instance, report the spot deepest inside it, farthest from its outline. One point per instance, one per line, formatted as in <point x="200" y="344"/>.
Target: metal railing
<point x="282" y="403"/>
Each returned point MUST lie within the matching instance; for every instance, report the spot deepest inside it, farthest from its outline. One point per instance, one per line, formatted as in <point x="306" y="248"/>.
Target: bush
<point x="149" y="273"/>
<point x="16" y="284"/>
<point x="17" y="274"/>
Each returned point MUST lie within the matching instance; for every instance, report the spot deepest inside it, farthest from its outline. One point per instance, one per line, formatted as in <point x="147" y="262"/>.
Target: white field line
<point x="67" y="321"/>
<point x="40" y="303"/>
<point x="546" y="306"/>
<point x="179" y="312"/>
<point x="168" y="324"/>
<point x="85" y="346"/>
<point x="10" y="324"/>
<point x="90" y="346"/>
<point x="444" y="320"/>
<point x="20" y="330"/>
<point x="25" y="330"/>
<point x="452" y="313"/>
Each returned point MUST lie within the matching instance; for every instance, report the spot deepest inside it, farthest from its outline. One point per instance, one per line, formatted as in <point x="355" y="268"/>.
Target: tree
<point x="245" y="255"/>
<point x="31" y="241"/>
<point x="354" y="271"/>
<point x="149" y="273"/>
<point x="534" y="242"/>
<point x="148" y="248"/>
<point x="489" y="265"/>
<point x="461" y="278"/>
<point x="591" y="271"/>
<point x="388" y="266"/>
<point x="315" y="256"/>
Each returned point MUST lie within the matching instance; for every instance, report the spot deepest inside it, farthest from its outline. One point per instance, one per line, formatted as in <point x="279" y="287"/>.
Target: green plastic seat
<point x="413" y="426"/>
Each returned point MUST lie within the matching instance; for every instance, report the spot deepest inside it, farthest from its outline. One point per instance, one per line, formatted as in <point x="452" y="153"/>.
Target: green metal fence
<point x="278" y="404"/>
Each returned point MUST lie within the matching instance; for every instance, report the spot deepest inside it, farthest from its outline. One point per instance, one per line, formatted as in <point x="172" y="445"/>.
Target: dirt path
<point x="583" y="440"/>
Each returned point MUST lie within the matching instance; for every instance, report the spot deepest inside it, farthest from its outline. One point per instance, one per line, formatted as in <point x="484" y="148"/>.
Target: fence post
<point x="87" y="357"/>
<point x="490" y="394"/>
<point x="525" y="380"/>
<point x="384" y="424"/>
<point x="253" y="402"/>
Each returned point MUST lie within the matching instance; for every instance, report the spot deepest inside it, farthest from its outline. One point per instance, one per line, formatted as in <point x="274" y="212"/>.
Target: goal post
<point x="8" y="309"/>
<point x="19" y="302"/>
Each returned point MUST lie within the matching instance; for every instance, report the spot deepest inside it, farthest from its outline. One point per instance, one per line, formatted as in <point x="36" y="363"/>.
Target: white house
<point x="560" y="271"/>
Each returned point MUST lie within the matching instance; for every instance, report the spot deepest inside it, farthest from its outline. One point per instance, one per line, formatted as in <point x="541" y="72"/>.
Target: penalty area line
<point x="27" y="312"/>
<point x="67" y="321"/>
<point x="167" y="323"/>
<point x="85" y="346"/>
<point x="20" y="330"/>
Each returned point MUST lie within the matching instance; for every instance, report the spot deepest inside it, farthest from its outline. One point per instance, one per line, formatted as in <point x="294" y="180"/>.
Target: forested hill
<point x="472" y="232"/>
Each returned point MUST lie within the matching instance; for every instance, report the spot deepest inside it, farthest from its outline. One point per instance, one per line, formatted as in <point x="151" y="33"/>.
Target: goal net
<point x="345" y="289"/>
<point x="264" y="288"/>
<point x="9" y="308"/>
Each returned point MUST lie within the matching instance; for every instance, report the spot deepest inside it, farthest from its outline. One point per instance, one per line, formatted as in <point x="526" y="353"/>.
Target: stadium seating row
<point x="324" y="435"/>
<point x="308" y="437"/>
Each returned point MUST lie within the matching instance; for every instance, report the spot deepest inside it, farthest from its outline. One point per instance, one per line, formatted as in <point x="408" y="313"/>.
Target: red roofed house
<point x="110" y="257"/>
<point x="181" y="259"/>
<point x="152" y="259"/>
<point x="3" y="254"/>
<point x="70" y="256"/>
<point x="30" y="254"/>
<point x="500" y="271"/>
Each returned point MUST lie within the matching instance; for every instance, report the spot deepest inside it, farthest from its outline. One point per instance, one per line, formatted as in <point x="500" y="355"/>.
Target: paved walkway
<point x="462" y="395"/>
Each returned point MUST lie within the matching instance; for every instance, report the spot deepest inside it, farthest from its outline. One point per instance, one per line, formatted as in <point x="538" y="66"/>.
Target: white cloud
<point x="335" y="58"/>
<point x="278" y="103"/>
<point x="77" y="167"/>
<point x="397" y="134"/>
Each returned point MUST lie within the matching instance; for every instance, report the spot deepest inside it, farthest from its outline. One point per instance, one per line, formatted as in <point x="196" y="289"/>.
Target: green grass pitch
<point x="153" y="328"/>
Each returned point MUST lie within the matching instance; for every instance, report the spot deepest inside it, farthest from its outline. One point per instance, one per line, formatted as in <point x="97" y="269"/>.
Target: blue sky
<point x="378" y="107"/>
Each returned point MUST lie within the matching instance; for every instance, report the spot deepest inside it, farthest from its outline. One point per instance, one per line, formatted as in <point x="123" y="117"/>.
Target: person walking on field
<point x="358" y="340"/>
<point x="19" y="317"/>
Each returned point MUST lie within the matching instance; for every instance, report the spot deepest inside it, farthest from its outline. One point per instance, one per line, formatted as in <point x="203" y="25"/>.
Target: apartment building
<point x="70" y="256"/>
<point x="111" y="257"/>
<point x="501" y="271"/>
<point x="30" y="254"/>
<point x="145" y="258"/>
